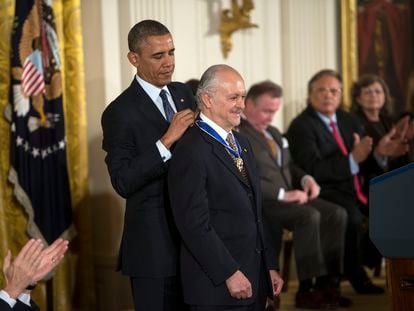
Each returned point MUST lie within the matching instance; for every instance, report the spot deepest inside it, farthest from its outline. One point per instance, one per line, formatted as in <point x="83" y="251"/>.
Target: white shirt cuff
<point x="164" y="152"/>
<point x="281" y="194"/>
<point x="304" y="179"/>
<point x="382" y="161"/>
<point x="25" y="298"/>
<point x="5" y="296"/>
<point x="353" y="165"/>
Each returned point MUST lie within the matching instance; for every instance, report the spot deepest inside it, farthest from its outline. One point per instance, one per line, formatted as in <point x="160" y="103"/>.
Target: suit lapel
<point x="221" y="153"/>
<point x="224" y="157"/>
<point x="252" y="175"/>
<point x="259" y="137"/>
<point x="248" y="167"/>
<point x="179" y="101"/>
<point x="327" y="134"/>
<point x="147" y="106"/>
<point x="345" y="131"/>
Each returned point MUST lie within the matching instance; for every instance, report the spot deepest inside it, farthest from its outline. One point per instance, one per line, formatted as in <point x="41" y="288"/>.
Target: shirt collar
<point x="222" y="132"/>
<point x="325" y="119"/>
<point x="152" y="90"/>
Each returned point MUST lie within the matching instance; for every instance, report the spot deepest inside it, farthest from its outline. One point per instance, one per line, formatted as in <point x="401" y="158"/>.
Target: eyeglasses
<point x="326" y="90"/>
<point x="372" y="92"/>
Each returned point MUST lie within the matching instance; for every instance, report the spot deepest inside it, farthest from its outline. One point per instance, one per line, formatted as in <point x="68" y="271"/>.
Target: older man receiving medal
<point x="226" y="261"/>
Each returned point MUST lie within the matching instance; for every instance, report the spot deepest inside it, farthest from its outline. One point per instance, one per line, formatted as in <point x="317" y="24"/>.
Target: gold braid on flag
<point x="68" y="25"/>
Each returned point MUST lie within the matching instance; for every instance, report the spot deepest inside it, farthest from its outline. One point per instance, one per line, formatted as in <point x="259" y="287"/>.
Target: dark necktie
<point x="237" y="160"/>
<point x="357" y="185"/>
<point x="169" y="112"/>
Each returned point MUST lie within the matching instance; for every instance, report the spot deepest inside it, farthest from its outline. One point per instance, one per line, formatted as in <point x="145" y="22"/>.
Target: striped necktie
<point x="169" y="112"/>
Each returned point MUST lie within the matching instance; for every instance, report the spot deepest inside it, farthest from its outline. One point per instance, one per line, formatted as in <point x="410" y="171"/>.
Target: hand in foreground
<point x="277" y="282"/>
<point x="391" y="145"/>
<point x="179" y="124"/>
<point x="362" y="148"/>
<point x="409" y="135"/>
<point x="311" y="188"/>
<point x="50" y="258"/>
<point x="20" y="271"/>
<point x="295" y="196"/>
<point x="239" y="286"/>
<point x="401" y="128"/>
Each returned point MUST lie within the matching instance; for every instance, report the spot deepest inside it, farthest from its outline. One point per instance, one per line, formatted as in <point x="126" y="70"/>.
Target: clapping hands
<point x="32" y="264"/>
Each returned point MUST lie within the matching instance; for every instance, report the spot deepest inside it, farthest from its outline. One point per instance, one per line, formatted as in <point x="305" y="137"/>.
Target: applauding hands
<point x="32" y="264"/>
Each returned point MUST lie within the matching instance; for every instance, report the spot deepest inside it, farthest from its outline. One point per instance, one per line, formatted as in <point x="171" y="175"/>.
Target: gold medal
<point x="239" y="163"/>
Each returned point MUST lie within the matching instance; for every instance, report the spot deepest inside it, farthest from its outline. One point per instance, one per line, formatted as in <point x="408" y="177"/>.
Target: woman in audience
<point x="371" y="103"/>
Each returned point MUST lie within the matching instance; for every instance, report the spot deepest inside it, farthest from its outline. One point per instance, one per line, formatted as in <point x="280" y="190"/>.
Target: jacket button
<point x="258" y="250"/>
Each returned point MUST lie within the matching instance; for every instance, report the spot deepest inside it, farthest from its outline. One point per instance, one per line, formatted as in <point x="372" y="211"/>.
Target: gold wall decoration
<point x="349" y="56"/>
<point x="238" y="17"/>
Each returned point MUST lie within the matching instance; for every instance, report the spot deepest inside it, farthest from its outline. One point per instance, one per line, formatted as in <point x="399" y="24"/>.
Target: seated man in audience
<point x="21" y="274"/>
<point x="325" y="141"/>
<point x="290" y="200"/>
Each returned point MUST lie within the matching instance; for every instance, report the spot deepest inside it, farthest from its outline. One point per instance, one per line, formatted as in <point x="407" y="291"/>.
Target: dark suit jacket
<point x="272" y="176"/>
<point x="131" y="126"/>
<point x="315" y="150"/>
<point x="370" y="167"/>
<point x="19" y="306"/>
<point x="219" y="218"/>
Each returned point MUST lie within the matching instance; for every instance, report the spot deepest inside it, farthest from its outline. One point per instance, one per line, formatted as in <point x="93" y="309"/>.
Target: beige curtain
<point x="73" y="281"/>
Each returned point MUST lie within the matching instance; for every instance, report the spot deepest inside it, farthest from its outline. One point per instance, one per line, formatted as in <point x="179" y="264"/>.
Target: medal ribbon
<point x="211" y="132"/>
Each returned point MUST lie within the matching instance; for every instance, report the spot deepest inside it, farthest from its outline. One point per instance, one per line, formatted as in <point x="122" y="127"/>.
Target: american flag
<point x="33" y="82"/>
<point x="38" y="169"/>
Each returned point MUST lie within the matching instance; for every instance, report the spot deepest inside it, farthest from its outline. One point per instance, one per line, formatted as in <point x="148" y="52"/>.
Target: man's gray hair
<point x="208" y="81"/>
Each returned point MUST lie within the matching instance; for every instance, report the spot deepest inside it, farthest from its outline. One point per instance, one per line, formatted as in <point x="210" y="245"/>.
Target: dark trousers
<point x="157" y="294"/>
<point x="318" y="234"/>
<point x="353" y="264"/>
<point x="258" y="305"/>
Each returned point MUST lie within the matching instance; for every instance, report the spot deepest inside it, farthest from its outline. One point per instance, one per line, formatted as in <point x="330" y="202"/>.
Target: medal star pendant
<point x="239" y="163"/>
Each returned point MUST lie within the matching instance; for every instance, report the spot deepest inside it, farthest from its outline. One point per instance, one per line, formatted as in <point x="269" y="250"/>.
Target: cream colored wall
<point x="295" y="38"/>
<point x="103" y="82"/>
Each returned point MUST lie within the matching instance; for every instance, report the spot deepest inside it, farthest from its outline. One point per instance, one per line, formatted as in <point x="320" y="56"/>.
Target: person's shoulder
<point x="179" y="87"/>
<point x="347" y="116"/>
<point x="242" y="137"/>
<point x="305" y="116"/>
<point x="191" y="145"/>
<point x="4" y="305"/>
<point x="177" y="84"/>
<point x="273" y="130"/>
<point x="244" y="127"/>
<point x="121" y="101"/>
<point x="192" y="137"/>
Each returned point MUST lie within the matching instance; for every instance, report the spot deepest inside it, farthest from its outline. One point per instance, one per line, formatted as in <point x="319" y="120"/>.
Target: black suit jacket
<point x="19" y="306"/>
<point x="370" y="167"/>
<point x="315" y="150"/>
<point x="219" y="218"/>
<point x="131" y="126"/>
<point x="287" y="175"/>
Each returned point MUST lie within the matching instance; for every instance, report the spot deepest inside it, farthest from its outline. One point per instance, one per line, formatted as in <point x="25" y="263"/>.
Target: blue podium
<point x="391" y="228"/>
<point x="391" y="212"/>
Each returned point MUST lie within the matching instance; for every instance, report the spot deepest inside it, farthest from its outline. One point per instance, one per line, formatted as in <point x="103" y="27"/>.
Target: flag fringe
<point x="32" y="229"/>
